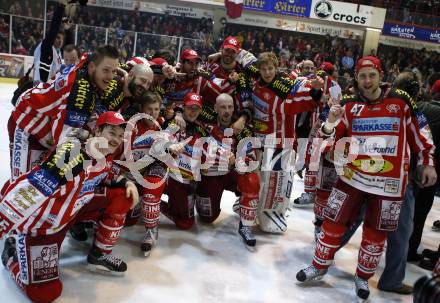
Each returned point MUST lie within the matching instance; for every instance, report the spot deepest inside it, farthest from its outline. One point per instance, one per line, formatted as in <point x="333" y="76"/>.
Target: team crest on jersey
<point x="44" y="260"/>
<point x="59" y="84"/>
<point x="393" y="108"/>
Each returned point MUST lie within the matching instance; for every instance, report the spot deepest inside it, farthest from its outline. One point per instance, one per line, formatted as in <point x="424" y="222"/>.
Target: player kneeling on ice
<point x="40" y="206"/>
<point x="149" y="174"/>
<point x="382" y="127"/>
<point x="185" y="169"/>
<point x="221" y="173"/>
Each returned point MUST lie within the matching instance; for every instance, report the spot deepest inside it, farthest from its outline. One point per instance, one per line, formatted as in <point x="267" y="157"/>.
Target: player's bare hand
<point x="178" y="148"/>
<point x="180" y="121"/>
<point x="169" y="71"/>
<point x="317" y="83"/>
<point x="131" y="191"/>
<point x="429" y="176"/>
<point x="239" y="125"/>
<point x="335" y="113"/>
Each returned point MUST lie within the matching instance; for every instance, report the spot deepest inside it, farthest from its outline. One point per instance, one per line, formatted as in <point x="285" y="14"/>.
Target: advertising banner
<point x="406" y="43"/>
<point x="297" y="26"/>
<point x="156" y="8"/>
<point x="411" y="32"/>
<point x="298" y="8"/>
<point x="14" y="66"/>
<point x="348" y="13"/>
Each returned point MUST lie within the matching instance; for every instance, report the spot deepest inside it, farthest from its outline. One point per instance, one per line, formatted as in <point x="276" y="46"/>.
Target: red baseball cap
<point x="368" y="61"/>
<point x="112" y="118"/>
<point x="232" y="43"/>
<point x="326" y="66"/>
<point x="156" y="65"/>
<point x="435" y="87"/>
<point x="137" y="60"/>
<point x="192" y="99"/>
<point x="189" y="54"/>
<point x="158" y="61"/>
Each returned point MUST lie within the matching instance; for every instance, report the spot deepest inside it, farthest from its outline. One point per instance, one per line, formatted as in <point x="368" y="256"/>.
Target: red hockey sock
<point x="248" y="210"/>
<point x="249" y="186"/>
<point x="112" y="221"/>
<point x="151" y="202"/>
<point x="370" y="251"/>
<point x="328" y="242"/>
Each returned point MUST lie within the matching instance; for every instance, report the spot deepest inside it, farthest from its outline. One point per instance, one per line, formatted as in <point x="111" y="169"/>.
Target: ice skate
<point x="304" y="200"/>
<point x="247" y="236"/>
<point x="9" y="251"/>
<point x="310" y="273"/>
<point x="236" y="206"/>
<point x="362" y="290"/>
<point x="149" y="241"/>
<point x="436" y="225"/>
<point x="98" y="261"/>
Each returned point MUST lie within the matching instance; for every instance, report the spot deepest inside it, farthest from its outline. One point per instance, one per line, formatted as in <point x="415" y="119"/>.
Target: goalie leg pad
<point x="274" y="200"/>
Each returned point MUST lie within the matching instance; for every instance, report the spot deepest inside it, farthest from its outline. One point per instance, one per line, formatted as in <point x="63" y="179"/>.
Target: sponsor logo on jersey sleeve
<point x="76" y="119"/>
<point x="43" y="181"/>
<point x="421" y="119"/>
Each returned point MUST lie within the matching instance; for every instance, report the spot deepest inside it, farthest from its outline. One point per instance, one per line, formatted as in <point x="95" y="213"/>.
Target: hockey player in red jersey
<point x="46" y="113"/>
<point x="309" y="125"/>
<point x="276" y="101"/>
<point x="191" y="78"/>
<point x="382" y="128"/>
<point x="41" y="205"/>
<point x="186" y="168"/>
<point x="151" y="177"/>
<point x="220" y="173"/>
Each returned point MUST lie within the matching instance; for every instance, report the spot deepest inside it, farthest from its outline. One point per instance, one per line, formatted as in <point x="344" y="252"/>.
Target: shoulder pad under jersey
<point x="124" y="66"/>
<point x="282" y="86"/>
<point x="348" y="99"/>
<point x="202" y="130"/>
<point x="401" y="94"/>
<point x="207" y="115"/>
<point x="245" y="133"/>
<point x="67" y="159"/>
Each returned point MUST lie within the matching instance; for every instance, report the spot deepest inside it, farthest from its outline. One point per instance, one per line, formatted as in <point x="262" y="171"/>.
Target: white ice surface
<point x="209" y="263"/>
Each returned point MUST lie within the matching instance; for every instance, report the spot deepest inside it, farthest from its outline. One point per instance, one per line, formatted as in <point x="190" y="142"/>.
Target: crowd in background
<point x="162" y="31"/>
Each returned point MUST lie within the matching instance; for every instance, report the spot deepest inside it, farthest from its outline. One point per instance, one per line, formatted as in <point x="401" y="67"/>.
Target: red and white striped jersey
<point x="275" y="107"/>
<point x="44" y="200"/>
<point x="209" y="89"/>
<point x="49" y="111"/>
<point x="391" y="127"/>
<point x="219" y="146"/>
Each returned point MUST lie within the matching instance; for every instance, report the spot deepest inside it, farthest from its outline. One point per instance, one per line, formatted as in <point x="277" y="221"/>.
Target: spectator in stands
<point x="20" y="49"/>
<point x="71" y="55"/>
<point x="348" y="61"/>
